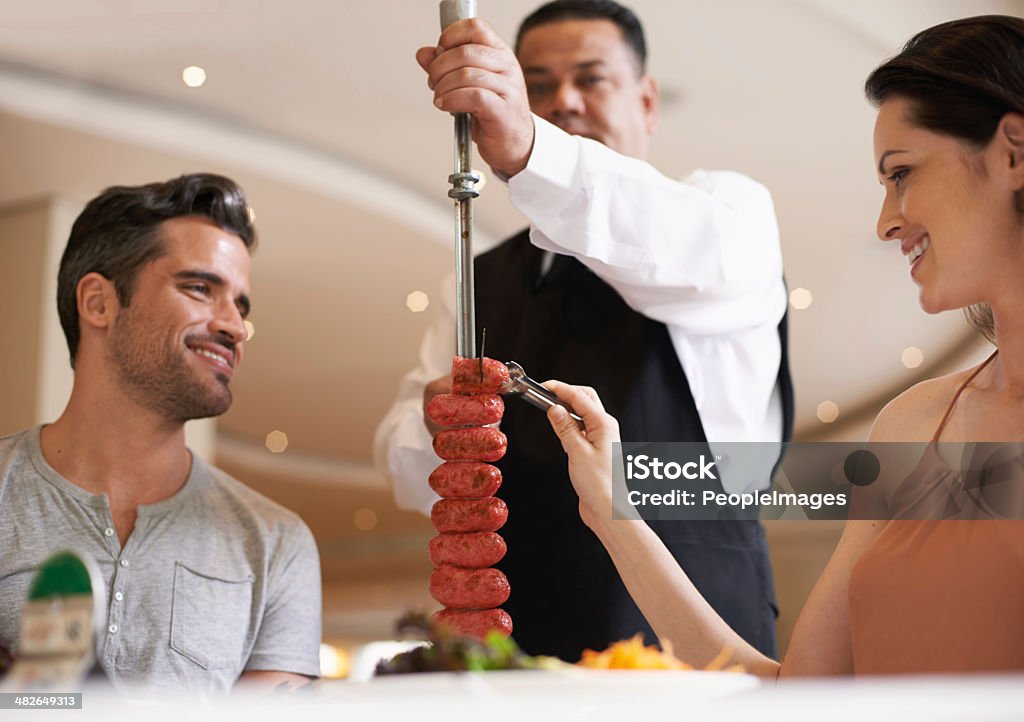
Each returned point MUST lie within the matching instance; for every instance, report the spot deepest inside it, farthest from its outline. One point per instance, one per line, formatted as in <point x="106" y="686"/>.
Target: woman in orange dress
<point x="896" y="596"/>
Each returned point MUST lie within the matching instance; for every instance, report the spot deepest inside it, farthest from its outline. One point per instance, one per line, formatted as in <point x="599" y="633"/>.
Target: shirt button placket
<point x="115" y="610"/>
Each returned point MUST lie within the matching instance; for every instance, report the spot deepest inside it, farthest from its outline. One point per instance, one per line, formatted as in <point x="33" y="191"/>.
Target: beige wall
<point x="35" y="378"/>
<point x="20" y="269"/>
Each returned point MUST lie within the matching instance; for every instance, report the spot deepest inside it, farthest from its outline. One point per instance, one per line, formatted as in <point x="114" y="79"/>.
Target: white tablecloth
<point x="622" y="697"/>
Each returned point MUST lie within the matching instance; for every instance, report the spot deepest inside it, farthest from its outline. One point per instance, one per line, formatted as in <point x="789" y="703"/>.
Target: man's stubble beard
<point x="155" y="373"/>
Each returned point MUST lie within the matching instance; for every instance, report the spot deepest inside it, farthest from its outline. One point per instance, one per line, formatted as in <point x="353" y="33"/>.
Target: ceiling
<point x="320" y="111"/>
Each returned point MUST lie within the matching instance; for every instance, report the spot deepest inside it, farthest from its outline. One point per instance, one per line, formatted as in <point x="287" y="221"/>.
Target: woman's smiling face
<point x="945" y="205"/>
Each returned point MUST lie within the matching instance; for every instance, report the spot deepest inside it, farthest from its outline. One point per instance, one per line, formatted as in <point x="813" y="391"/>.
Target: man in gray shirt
<point x="207" y="581"/>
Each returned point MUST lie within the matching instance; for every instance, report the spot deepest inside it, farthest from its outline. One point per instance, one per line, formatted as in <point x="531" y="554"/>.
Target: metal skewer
<point x="463" y="192"/>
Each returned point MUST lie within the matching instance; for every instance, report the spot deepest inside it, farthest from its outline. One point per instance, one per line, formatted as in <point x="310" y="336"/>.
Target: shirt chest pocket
<point x="211" y="614"/>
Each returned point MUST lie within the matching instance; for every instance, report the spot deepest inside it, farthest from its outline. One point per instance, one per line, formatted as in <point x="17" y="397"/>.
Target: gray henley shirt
<point x="214" y="581"/>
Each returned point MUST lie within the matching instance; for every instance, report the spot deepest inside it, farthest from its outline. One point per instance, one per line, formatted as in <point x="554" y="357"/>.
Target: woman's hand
<point x="590" y="451"/>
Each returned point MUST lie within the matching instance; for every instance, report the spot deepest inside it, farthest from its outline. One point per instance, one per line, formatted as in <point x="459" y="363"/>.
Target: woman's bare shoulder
<point x="915" y="414"/>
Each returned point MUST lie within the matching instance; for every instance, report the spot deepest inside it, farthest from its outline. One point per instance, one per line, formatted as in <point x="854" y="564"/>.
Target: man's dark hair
<point x="961" y="78"/>
<point x="119" y="232"/>
<point x="623" y="17"/>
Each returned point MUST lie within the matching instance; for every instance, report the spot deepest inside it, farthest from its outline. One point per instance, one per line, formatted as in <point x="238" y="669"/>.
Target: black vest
<point x="572" y="326"/>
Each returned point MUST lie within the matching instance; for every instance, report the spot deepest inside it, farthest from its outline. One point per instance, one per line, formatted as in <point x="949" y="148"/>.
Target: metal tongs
<point x="521" y="385"/>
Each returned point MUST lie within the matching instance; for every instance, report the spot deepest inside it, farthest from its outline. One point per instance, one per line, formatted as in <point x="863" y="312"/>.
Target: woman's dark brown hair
<point x="961" y="78"/>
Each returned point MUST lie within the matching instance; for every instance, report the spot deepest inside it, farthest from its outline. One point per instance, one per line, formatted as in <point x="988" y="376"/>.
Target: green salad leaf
<point x="448" y="652"/>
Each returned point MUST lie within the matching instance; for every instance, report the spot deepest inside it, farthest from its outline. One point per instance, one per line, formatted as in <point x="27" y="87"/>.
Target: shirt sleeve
<point x="701" y="255"/>
<point x="290" y="633"/>
<point x="402" y="447"/>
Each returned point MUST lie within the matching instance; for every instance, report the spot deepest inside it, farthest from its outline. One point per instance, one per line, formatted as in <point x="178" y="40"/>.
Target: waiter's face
<point x="582" y="76"/>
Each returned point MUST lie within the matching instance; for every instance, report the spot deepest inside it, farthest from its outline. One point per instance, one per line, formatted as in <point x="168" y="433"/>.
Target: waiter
<point x="667" y="297"/>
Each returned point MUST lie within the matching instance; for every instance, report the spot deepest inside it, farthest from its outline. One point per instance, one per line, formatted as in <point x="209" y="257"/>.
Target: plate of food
<point x="449" y="666"/>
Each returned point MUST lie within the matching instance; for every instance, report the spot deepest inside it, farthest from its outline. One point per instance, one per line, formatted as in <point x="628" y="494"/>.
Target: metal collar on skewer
<point x="463" y="185"/>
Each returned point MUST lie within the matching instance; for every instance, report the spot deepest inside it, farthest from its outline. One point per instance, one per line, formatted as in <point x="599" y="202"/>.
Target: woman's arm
<point x="821" y="643"/>
<point x="670" y="602"/>
<point x="666" y="596"/>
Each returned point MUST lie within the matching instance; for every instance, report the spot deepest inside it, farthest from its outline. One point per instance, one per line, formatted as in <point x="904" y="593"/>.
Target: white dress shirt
<point x="700" y="255"/>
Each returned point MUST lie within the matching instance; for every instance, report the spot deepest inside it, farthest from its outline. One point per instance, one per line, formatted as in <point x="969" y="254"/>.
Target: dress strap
<point x="956" y="396"/>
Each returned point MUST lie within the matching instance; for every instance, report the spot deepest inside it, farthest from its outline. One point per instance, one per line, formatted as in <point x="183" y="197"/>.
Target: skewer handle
<point x="455" y="10"/>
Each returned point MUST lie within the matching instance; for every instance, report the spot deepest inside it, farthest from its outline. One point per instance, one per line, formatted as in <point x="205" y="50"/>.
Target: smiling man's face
<point x="178" y="342"/>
